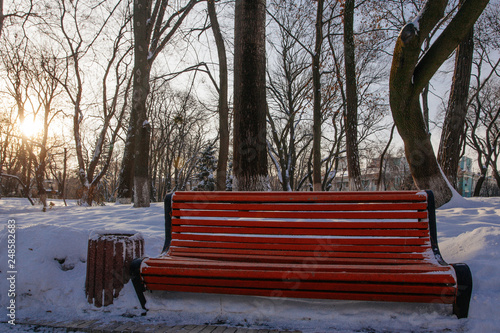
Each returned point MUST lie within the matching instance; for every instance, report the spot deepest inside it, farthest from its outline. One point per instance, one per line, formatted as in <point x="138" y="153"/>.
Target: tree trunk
<point x="425" y="92"/>
<point x="351" y="115"/>
<point x="63" y="178"/>
<point x="317" y="98"/>
<point x="24" y="153"/>
<point x="152" y="32"/>
<point x="418" y="149"/>
<point x="142" y="70"/>
<point x="40" y="177"/>
<point x="126" y="177"/>
<point x="250" y="147"/>
<point x="480" y="180"/>
<point x="453" y="134"/>
<point x="223" y="99"/>
<point x="382" y="157"/>
<point x="1" y="17"/>
<point x="42" y="158"/>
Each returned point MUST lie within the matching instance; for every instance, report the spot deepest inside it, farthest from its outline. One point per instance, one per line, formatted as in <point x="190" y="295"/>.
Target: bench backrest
<point x="292" y="226"/>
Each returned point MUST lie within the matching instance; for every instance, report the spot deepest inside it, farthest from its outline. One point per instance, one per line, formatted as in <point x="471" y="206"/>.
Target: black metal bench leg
<point x="135" y="273"/>
<point x="464" y="292"/>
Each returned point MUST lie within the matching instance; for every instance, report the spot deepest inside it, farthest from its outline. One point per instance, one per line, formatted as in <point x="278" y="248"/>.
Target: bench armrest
<point x="168" y="221"/>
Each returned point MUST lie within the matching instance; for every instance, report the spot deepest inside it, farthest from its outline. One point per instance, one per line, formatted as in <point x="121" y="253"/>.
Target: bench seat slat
<point x="304" y="224"/>
<point x="301" y="206"/>
<point x="279" y="274"/>
<point x="193" y="252"/>
<point x="301" y="232"/>
<point x="195" y="263"/>
<point x="311" y="294"/>
<point x="306" y="285"/>
<point x="345" y="248"/>
<point x="298" y="258"/>
<point x="312" y="244"/>
<point x="304" y="215"/>
<point x="203" y="252"/>
<point x="288" y="244"/>
<point x="340" y="255"/>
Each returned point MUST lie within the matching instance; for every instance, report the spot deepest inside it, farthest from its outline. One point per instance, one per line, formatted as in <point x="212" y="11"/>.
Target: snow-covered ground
<point x="468" y="231"/>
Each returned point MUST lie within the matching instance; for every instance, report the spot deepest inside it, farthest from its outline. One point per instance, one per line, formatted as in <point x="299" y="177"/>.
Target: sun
<point x="31" y="128"/>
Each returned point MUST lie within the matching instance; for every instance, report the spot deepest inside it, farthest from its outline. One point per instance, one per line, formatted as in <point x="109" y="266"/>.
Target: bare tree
<point x="453" y="133"/>
<point x="46" y="85"/>
<point x="351" y="114"/>
<point x="2" y="17"/>
<point x="223" y="106"/>
<point x="484" y="130"/>
<point x="155" y="24"/>
<point x="316" y="72"/>
<point x="249" y="143"/>
<point x="33" y="75"/>
<point x="15" y="63"/>
<point x="410" y="73"/>
<point x="55" y="169"/>
<point x="11" y="148"/>
<point x="80" y="45"/>
<point x="178" y="133"/>
<point x="289" y="86"/>
<point x="322" y="90"/>
<point x="382" y="159"/>
<point x="20" y="11"/>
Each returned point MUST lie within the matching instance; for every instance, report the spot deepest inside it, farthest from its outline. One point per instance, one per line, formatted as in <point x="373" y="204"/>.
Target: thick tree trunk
<point x="250" y="147"/>
<point x="142" y="180"/>
<point x="420" y="153"/>
<point x="407" y="114"/>
<point x="317" y="98"/>
<point x="351" y="115"/>
<point x="152" y="32"/>
<point x="142" y="70"/>
<point x="223" y="99"/>
<point x="453" y="134"/>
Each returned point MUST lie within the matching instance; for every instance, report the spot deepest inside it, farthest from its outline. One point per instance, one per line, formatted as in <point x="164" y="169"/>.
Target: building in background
<point x="466" y="178"/>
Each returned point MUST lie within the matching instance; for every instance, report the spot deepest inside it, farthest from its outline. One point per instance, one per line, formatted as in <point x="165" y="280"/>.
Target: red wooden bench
<point x="374" y="246"/>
